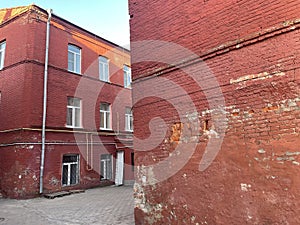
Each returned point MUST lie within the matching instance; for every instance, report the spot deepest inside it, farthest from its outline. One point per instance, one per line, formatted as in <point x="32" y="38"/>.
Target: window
<point x="70" y="170"/>
<point x="106" y="167"/>
<point x="128" y="119"/>
<point x="103" y="69"/>
<point x="105" y="116"/>
<point x="2" y="54"/>
<point x="74" y="112"/>
<point x="127" y="76"/>
<point x="74" y="59"/>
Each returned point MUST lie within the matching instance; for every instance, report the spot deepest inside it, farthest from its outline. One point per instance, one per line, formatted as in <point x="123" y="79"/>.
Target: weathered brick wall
<point x="21" y="87"/>
<point x="235" y="68"/>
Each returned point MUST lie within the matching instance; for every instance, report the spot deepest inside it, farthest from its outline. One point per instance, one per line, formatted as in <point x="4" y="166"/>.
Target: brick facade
<point x="224" y="77"/>
<point x="21" y="107"/>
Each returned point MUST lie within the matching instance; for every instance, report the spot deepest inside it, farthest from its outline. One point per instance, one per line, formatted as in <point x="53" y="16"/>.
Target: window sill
<point x="71" y="127"/>
<point x="105" y="129"/>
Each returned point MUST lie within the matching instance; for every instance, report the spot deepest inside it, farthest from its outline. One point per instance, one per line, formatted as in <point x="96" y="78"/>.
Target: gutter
<point x="45" y="101"/>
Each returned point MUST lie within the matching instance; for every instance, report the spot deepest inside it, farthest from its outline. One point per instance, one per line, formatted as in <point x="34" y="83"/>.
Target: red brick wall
<point x="234" y="65"/>
<point x="21" y="87"/>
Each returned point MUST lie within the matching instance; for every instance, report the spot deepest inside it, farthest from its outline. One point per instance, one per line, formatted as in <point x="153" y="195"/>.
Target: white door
<point x="119" y="168"/>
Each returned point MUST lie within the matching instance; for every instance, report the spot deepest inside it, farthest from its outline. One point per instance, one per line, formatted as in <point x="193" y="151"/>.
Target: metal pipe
<point x="56" y="143"/>
<point x="59" y="131"/>
<point x="45" y="101"/>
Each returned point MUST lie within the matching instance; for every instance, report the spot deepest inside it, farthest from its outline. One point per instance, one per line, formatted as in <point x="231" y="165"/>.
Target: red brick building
<point x="223" y="76"/>
<point x="65" y="106"/>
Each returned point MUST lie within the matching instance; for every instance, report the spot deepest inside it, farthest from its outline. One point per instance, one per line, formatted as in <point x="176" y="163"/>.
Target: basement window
<point x="70" y="170"/>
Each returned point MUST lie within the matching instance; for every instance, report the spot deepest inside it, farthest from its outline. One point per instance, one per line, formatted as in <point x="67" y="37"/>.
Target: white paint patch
<point x="258" y="76"/>
<point x="245" y="187"/>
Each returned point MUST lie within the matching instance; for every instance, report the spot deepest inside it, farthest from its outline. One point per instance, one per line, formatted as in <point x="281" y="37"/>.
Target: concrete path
<point x="100" y="206"/>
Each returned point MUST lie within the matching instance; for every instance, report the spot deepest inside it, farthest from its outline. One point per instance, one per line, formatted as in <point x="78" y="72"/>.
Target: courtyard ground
<point x="99" y="206"/>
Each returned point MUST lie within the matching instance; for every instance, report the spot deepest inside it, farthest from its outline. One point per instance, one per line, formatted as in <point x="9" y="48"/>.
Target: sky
<point x="108" y="19"/>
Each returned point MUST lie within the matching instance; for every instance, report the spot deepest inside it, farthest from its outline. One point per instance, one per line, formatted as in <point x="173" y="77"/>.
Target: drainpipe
<point x="49" y="11"/>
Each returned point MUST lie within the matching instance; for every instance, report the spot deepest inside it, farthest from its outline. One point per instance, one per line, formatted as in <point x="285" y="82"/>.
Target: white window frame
<point x="74" y="109"/>
<point x="76" y="61"/>
<point x="128" y="119"/>
<point x="106" y="116"/>
<point x="103" y="69"/>
<point x="69" y="166"/>
<point x="127" y="76"/>
<point x="104" y="160"/>
<point x="2" y="53"/>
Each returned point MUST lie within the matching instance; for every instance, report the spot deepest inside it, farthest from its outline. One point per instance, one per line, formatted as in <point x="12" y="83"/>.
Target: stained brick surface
<point x="21" y="86"/>
<point x="241" y="78"/>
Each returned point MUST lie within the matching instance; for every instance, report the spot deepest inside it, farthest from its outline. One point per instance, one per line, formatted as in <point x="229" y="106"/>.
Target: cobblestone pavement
<point x="100" y="206"/>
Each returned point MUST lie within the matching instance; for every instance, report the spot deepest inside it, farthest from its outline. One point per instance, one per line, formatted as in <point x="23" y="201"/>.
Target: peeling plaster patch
<point x="271" y="177"/>
<point x="288" y="157"/>
<point x="30" y="147"/>
<point x="34" y="177"/>
<point x="292" y="153"/>
<point x="245" y="187"/>
<point x="147" y="175"/>
<point x="261" y="151"/>
<point x="154" y="211"/>
<point x="258" y="76"/>
<point x="54" y="181"/>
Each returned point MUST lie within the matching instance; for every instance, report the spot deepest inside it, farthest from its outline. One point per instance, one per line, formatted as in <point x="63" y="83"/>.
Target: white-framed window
<point x="70" y="170"/>
<point x="2" y="53"/>
<point x="105" y="116"/>
<point x="103" y="68"/>
<point x="128" y="119"/>
<point x="74" y="112"/>
<point x="127" y="76"/>
<point x="106" y="167"/>
<point x="74" y="59"/>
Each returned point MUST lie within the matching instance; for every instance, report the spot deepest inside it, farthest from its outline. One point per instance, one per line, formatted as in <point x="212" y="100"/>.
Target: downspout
<point x="49" y="11"/>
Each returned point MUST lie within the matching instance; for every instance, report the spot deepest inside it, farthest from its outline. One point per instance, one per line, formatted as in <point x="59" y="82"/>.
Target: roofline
<point x="72" y="24"/>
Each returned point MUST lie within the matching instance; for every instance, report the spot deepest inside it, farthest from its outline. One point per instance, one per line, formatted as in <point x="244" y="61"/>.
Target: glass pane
<point x="65" y="175"/>
<point x="101" y="119"/>
<point x="69" y="116"/>
<point x="131" y="123"/>
<point x="104" y="107"/>
<point x="70" y="158"/>
<point x="102" y="172"/>
<point x="106" y="72"/>
<point x="74" y="49"/>
<point x="71" y="61"/>
<point x="77" y="69"/>
<point x="128" y="110"/>
<point x="70" y="101"/>
<point x="2" y="45"/>
<point x="101" y="71"/>
<point x="108" y="120"/>
<point x="103" y="59"/>
<point x="73" y="177"/>
<point x="76" y="102"/>
<point x="109" y="168"/>
<point x="77" y="117"/>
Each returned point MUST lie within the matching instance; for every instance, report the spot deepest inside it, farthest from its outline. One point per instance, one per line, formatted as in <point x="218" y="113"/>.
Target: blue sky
<point x="106" y="18"/>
